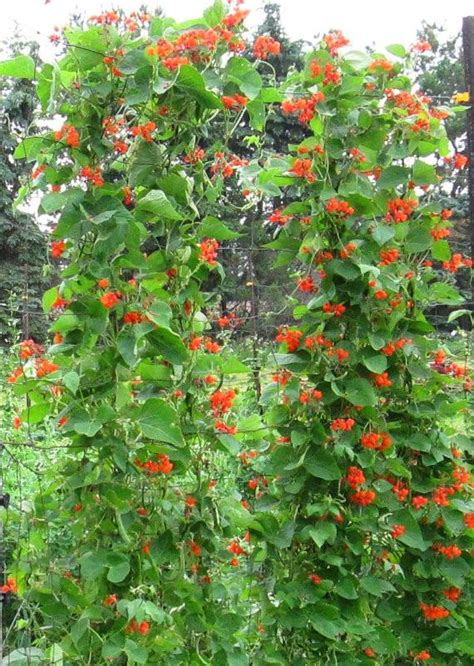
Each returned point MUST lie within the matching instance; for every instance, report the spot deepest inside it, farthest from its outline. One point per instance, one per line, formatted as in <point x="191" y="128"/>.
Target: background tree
<point x="440" y="75"/>
<point x="23" y="244"/>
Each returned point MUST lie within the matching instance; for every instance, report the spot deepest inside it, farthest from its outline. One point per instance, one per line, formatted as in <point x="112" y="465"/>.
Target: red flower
<point x="306" y="284"/>
<point x="419" y="502"/>
<point x="397" y="531"/>
<point x="265" y="46"/>
<point x="335" y="40"/>
<point x="303" y="169"/>
<point x="132" y="317"/>
<point x="424" y="655"/>
<point x="355" y="477"/>
<point x="223" y="427"/>
<point x="340" y="208"/>
<point x="291" y="338"/>
<point x="314" y="578"/>
<point x="110" y="600"/>
<point x="195" y="548"/>
<point x="342" y="424"/>
<point x="363" y="497"/>
<point x="45" y="367"/>
<point x="70" y="134"/>
<point x="92" y="175"/>
<point x="195" y="343"/>
<point x="382" y="380"/>
<point x="433" y="612"/>
<point x="208" y="251"/>
<point x="110" y="299"/>
<point x="400" y="210"/>
<point x="452" y="593"/>
<point x="450" y="552"/>
<point x="378" y="441"/>
<point x="222" y="401"/>
<point x="9" y="587"/>
<point x="144" y="131"/>
<point x="57" y="248"/>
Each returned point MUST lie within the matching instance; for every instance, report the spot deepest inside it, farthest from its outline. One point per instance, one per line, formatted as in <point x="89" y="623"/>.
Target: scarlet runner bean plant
<point x="363" y="498"/>
<point x="343" y="536"/>
<point x="127" y="548"/>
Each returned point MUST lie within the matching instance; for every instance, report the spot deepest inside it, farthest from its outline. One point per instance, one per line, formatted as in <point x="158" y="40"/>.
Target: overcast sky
<point x="364" y="21"/>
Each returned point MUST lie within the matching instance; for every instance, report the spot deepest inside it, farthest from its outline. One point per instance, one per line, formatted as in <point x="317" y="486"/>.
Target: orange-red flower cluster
<point x="342" y="424"/>
<point x="69" y="134"/>
<point x="336" y="309"/>
<point x="208" y="251"/>
<point x="363" y="497"/>
<point x="400" y="210"/>
<point x="304" y="108"/>
<point x="340" y="208"/>
<point x="57" y="248"/>
<point x="292" y="338"/>
<point x="92" y="175"/>
<point x="303" y="169"/>
<point x="432" y="613"/>
<point x="222" y="401"/>
<point x="163" y="466"/>
<point x="265" y="46"/>
<point x="355" y="477"/>
<point x="379" y="441"/>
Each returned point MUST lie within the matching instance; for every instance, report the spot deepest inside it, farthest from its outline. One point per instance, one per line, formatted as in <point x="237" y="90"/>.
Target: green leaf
<point x="445" y="294"/>
<point x="29" y="149"/>
<point x="119" y="567"/>
<point x="424" y="174"/>
<point x="419" y="238"/>
<point x="383" y="233"/>
<point x="169" y="345"/>
<point x="211" y="227"/>
<point x="256" y="111"/>
<point x="359" y="392"/>
<point x="24" y="657"/>
<point x="93" y="564"/>
<point x="322" y="464"/>
<point x="87" y="48"/>
<point x="21" y="67"/>
<point x="322" y="532"/>
<point x="83" y="423"/>
<point x="346" y="588"/>
<point x="326" y="620"/>
<point x="393" y="176"/>
<point x="456" y="314"/>
<point x="49" y="297"/>
<point x="191" y="81"/>
<point x="375" y="362"/>
<point x="136" y="653"/>
<point x="376" y="586"/>
<point x="158" y="421"/>
<point x="242" y="72"/>
<point x="412" y="536"/>
<point x="157" y="203"/>
<point x="71" y="381"/>
<point x="384" y="641"/>
<point x="441" y="250"/>
<point x="35" y="413"/>
<point x="214" y="14"/>
<point x="397" y="50"/>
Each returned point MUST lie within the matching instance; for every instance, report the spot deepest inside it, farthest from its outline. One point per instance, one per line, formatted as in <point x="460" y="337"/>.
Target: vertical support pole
<point x="468" y="50"/>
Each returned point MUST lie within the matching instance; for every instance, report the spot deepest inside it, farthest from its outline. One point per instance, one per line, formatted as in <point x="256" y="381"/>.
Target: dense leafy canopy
<point x="331" y="523"/>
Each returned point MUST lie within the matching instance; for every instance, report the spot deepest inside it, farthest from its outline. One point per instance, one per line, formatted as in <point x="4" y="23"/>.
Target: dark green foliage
<point x="23" y="246"/>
